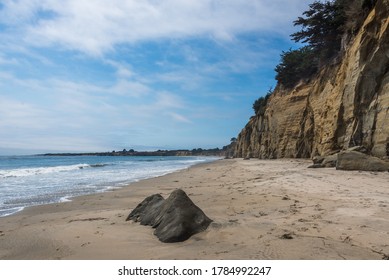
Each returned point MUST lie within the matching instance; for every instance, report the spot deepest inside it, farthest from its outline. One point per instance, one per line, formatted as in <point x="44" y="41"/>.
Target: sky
<point x="102" y="75"/>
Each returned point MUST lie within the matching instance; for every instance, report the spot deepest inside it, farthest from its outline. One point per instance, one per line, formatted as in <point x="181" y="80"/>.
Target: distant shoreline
<point x="194" y="152"/>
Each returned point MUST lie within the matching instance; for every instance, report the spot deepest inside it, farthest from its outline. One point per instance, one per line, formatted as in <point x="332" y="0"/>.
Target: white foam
<point x="10" y="211"/>
<point x="65" y="199"/>
<point x="23" y="172"/>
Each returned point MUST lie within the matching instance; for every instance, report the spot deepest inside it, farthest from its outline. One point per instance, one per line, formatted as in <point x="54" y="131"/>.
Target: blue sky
<point x="107" y="75"/>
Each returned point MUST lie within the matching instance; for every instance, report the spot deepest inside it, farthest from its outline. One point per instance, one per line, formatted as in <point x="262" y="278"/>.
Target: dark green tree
<point x="296" y="65"/>
<point x="321" y="27"/>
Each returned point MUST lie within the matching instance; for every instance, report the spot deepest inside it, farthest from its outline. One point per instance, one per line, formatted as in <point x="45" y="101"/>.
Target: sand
<point x="262" y="209"/>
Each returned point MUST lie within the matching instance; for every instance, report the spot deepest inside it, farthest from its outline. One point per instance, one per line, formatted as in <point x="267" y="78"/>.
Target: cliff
<point x="345" y="105"/>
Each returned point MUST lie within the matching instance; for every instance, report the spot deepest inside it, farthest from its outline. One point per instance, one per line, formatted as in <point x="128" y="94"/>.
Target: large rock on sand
<point x="175" y="219"/>
<point x="353" y="160"/>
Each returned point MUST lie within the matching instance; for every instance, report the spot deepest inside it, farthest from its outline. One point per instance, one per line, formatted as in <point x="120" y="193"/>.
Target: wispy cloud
<point x="95" y="27"/>
<point x="18" y="115"/>
<point x="179" y="118"/>
<point x="8" y="61"/>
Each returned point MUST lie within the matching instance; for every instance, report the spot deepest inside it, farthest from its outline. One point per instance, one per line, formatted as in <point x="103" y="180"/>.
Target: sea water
<point x="35" y="180"/>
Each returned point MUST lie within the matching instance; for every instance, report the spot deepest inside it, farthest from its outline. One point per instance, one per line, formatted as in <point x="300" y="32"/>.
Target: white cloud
<point x="179" y="118"/>
<point x="19" y="115"/>
<point x="95" y="27"/>
<point x="130" y="88"/>
<point x="8" y="61"/>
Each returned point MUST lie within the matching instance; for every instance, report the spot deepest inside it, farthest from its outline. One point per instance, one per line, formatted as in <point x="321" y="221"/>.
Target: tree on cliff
<point x="296" y="65"/>
<point x="321" y="28"/>
<point x="323" y="25"/>
<point x="259" y="105"/>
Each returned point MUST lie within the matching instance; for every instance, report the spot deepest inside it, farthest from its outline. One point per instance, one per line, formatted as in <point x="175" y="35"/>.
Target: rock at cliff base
<point x="353" y="160"/>
<point x="175" y="219"/>
<point x="318" y="160"/>
<point x="330" y="161"/>
<point x="316" y="165"/>
<point x="324" y="161"/>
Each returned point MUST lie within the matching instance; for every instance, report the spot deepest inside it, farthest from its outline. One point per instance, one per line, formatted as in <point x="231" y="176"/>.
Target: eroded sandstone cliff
<point x="345" y="105"/>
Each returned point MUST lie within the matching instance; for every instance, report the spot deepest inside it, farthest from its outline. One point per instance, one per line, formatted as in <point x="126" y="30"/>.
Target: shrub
<point x="296" y="65"/>
<point x="259" y="105"/>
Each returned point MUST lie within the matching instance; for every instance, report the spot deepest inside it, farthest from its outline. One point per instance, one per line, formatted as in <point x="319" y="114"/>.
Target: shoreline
<point x="262" y="209"/>
<point x="49" y="187"/>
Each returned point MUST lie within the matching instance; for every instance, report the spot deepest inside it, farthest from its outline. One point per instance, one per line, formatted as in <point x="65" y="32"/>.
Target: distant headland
<point x="194" y="152"/>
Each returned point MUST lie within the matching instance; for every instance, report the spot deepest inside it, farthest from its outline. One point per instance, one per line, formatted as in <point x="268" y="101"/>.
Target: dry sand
<point x="273" y="209"/>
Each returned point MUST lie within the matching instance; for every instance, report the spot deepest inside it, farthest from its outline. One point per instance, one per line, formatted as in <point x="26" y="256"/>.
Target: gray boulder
<point x="175" y="219"/>
<point x="353" y="160"/>
<point x="331" y="160"/>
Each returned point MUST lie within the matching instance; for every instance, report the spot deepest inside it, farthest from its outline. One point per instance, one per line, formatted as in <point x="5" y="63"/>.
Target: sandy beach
<point x="261" y="209"/>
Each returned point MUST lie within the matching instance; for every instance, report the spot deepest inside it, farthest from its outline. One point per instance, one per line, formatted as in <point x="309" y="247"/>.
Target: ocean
<point x="36" y="180"/>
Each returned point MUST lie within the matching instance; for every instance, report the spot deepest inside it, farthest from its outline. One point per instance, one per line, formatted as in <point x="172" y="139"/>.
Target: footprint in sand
<point x="260" y="214"/>
<point x="268" y="252"/>
<point x="347" y="239"/>
<point x="318" y="208"/>
<point x="222" y="252"/>
<point x="287" y="236"/>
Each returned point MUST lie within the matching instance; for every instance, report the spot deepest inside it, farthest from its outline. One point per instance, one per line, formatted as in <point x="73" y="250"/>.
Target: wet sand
<point x="262" y="209"/>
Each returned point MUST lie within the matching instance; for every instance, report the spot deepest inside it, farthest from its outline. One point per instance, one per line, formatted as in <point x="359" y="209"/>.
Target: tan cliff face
<point x="346" y="105"/>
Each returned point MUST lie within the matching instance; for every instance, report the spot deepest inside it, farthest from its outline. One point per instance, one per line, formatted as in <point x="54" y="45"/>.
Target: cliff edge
<point x="345" y="105"/>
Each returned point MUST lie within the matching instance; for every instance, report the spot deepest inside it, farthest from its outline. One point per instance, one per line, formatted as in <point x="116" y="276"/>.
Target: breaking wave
<point x="23" y="172"/>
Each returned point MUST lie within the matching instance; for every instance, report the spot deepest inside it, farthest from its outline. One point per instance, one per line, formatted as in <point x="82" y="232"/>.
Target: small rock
<point x="287" y="236"/>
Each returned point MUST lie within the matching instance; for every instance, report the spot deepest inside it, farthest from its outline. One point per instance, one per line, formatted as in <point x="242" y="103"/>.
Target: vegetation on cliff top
<point x="259" y="105"/>
<point x="325" y="27"/>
